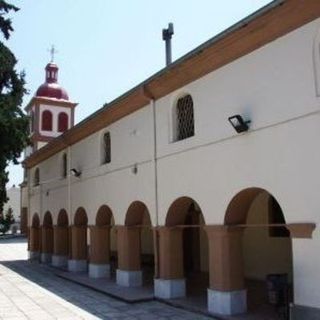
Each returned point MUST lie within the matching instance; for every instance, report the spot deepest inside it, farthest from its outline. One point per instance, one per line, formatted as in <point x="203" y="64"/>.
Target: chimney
<point x="166" y="36"/>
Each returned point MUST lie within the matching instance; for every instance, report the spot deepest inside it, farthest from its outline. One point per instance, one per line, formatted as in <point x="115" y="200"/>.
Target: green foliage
<point x="13" y="122"/>
<point x="6" y="220"/>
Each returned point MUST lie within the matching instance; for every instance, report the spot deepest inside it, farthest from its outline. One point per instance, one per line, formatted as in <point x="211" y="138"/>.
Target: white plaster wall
<point x="35" y="204"/>
<point x="114" y="183"/>
<point x="274" y="87"/>
<point x="306" y="264"/>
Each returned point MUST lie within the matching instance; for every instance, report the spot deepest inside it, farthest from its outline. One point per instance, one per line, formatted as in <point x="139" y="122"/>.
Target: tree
<point x="13" y="122"/>
<point x="6" y="220"/>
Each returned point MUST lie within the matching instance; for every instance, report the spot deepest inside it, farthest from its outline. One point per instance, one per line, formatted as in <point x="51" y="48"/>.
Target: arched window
<point x="106" y="148"/>
<point x="46" y="120"/>
<point x="64" y="167"/>
<point x="184" y="118"/>
<point x="36" y="179"/>
<point x="63" y="122"/>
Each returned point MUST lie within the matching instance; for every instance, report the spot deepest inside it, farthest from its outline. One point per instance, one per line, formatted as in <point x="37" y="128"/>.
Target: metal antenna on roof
<point x="166" y="36"/>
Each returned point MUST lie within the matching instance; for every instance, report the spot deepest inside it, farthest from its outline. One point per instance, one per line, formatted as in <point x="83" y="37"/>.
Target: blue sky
<point x="105" y="47"/>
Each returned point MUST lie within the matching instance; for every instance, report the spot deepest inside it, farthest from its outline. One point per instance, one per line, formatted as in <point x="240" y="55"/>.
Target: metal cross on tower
<point x="52" y="51"/>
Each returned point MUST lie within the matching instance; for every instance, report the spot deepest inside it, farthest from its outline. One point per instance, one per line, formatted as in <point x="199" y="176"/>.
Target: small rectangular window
<point x="107" y="147"/>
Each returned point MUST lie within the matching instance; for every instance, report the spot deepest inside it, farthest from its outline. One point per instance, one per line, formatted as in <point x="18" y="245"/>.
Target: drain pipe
<point x="155" y="165"/>
<point x="69" y="184"/>
<point x="151" y="98"/>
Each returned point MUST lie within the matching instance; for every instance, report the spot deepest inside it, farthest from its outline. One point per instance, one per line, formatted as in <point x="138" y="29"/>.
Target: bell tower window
<point x="46" y="121"/>
<point x="63" y="122"/>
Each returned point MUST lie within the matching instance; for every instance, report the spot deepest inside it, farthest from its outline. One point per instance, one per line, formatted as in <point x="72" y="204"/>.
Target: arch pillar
<point x="34" y="243"/>
<point x="129" y="272"/>
<point x="60" y="246"/>
<point x="226" y="294"/>
<point x="78" y="261"/>
<point x="47" y="244"/>
<point x="99" y="265"/>
<point x="171" y="282"/>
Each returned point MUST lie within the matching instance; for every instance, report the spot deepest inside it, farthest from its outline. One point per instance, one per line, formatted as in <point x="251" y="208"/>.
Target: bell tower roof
<point x="51" y="88"/>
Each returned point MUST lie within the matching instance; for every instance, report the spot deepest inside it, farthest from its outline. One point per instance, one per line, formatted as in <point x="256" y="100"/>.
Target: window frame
<point x="176" y="123"/>
<point x="106" y="148"/>
<point x="48" y="121"/>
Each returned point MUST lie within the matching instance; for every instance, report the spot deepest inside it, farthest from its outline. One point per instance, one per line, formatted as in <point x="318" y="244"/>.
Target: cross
<point x="52" y="51"/>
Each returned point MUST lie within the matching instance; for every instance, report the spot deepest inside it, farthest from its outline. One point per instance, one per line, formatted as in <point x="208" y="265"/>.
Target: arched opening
<point x="61" y="244"/>
<point x="34" y="237"/>
<point x="80" y="218"/>
<point x="138" y="215"/>
<point x="266" y="248"/>
<point x="186" y="215"/>
<point x="135" y="247"/>
<point x="100" y="251"/>
<point x="47" y="238"/>
<point x="46" y="121"/>
<point x="79" y="242"/>
<point x="63" y="120"/>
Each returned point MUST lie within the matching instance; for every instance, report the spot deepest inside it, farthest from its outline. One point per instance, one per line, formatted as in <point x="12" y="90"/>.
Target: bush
<point x="6" y="220"/>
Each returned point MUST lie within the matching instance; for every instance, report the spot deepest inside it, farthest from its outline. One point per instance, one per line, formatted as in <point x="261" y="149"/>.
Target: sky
<point x="106" y="47"/>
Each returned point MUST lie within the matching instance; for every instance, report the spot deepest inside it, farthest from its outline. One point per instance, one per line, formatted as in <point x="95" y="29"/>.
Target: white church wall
<point x="274" y="87"/>
<point x="306" y="262"/>
<point x="115" y="183"/>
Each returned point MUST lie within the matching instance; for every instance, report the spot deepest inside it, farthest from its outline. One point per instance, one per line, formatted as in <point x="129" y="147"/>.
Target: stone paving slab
<point x="109" y="287"/>
<point x="31" y="291"/>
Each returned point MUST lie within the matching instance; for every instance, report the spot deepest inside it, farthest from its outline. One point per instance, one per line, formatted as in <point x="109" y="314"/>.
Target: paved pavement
<point x="31" y="291"/>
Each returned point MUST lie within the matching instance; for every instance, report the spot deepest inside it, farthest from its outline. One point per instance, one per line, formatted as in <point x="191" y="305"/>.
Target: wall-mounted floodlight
<point x="238" y="123"/>
<point x="134" y="169"/>
<point x="75" y="172"/>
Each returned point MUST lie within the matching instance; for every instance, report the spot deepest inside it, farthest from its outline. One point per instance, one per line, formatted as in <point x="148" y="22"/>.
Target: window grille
<point x="106" y="148"/>
<point x="64" y="166"/>
<point x="185" y="118"/>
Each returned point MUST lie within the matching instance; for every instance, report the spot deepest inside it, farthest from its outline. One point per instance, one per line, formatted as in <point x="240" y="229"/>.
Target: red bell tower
<point x="50" y="110"/>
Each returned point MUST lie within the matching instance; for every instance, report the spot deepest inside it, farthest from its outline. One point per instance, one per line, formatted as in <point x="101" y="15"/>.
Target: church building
<point x="203" y="178"/>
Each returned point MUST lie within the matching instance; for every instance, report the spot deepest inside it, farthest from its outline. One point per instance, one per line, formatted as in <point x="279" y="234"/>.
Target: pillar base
<point x="33" y="255"/>
<point x="99" y="270"/>
<point x="169" y="289"/>
<point x="129" y="278"/>
<point x="59" y="261"/>
<point x="46" y="257"/>
<point x="77" y="265"/>
<point x="227" y="302"/>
